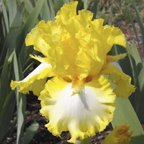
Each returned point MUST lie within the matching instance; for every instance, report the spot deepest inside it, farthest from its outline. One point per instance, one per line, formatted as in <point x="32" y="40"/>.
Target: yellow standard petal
<point x="35" y="81"/>
<point x="73" y="43"/>
<point x="120" y="81"/>
<point x="82" y="114"/>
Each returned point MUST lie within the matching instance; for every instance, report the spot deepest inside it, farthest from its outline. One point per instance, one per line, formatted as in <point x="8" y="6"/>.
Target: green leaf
<point x="141" y="79"/>
<point x="58" y="5"/>
<point x="66" y="1"/>
<point x="125" y="114"/>
<point x="31" y="21"/>
<point x="28" y="6"/>
<point x="20" y="100"/>
<point x="134" y="53"/>
<point x="6" y="115"/>
<point x="137" y="140"/>
<point x="4" y="81"/>
<point x="30" y="132"/>
<point x="6" y="21"/>
<point x="12" y="9"/>
<point x="51" y="10"/>
<point x="10" y="40"/>
<point x="85" y="3"/>
<point x="93" y="6"/>
<point x="7" y="100"/>
<point x="45" y="12"/>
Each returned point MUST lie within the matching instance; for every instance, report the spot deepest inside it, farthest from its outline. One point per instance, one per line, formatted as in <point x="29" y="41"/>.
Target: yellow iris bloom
<point x="80" y="97"/>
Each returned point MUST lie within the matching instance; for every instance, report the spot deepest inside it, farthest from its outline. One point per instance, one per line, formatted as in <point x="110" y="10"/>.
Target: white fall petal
<point x="81" y="114"/>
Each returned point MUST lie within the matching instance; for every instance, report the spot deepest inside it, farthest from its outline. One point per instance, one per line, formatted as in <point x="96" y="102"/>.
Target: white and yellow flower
<point x="80" y="97"/>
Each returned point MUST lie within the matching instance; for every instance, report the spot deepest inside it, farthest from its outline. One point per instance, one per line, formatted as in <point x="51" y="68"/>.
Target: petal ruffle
<point x="75" y="46"/>
<point x="120" y="81"/>
<point x="67" y="11"/>
<point x="114" y="36"/>
<point x="35" y="81"/>
<point x="81" y="114"/>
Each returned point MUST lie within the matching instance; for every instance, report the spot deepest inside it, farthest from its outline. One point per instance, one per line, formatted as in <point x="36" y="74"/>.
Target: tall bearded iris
<point x="80" y="97"/>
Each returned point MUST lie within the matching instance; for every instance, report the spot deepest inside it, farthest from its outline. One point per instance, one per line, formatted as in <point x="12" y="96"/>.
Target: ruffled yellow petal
<point x="37" y="37"/>
<point x="35" y="81"/>
<point x="74" y="44"/>
<point x="107" y="36"/>
<point x="120" y="81"/>
<point x="67" y="11"/>
<point x="114" y="36"/>
<point x="82" y="114"/>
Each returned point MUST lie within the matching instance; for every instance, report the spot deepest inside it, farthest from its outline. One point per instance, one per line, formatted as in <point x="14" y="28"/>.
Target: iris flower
<point x="80" y="96"/>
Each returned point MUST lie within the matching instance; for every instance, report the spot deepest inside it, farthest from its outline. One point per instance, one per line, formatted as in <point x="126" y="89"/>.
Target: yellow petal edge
<point x="81" y="114"/>
<point x="35" y="81"/>
<point x="120" y="81"/>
